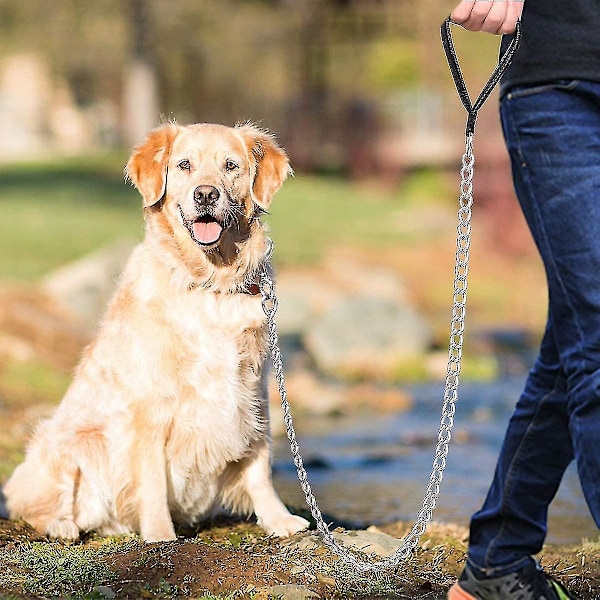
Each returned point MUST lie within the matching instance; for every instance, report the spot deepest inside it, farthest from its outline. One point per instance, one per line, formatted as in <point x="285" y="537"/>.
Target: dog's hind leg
<point x="42" y="493"/>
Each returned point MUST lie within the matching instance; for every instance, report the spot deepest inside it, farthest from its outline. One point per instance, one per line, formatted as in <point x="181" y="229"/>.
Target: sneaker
<point x="530" y="583"/>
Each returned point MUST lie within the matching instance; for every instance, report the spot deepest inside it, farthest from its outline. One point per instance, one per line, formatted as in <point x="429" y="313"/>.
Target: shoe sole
<point x="457" y="593"/>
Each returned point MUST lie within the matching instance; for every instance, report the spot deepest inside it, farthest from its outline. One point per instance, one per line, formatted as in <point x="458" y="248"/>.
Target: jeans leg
<point x="511" y="526"/>
<point x="553" y="137"/>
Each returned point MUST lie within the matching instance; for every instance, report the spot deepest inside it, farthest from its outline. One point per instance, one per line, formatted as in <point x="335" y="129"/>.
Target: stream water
<point x="375" y="468"/>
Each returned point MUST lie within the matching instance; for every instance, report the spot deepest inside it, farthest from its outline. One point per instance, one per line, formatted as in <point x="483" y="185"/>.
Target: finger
<point x="462" y="12"/>
<point x="477" y="14"/>
<point x="513" y="14"/>
<point x="491" y="16"/>
<point x="496" y="17"/>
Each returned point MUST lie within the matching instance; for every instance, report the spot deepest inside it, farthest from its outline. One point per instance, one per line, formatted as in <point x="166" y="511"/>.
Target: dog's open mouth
<point x="207" y="230"/>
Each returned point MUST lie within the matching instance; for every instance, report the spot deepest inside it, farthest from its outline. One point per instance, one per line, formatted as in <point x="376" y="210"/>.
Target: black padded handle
<point x="459" y="81"/>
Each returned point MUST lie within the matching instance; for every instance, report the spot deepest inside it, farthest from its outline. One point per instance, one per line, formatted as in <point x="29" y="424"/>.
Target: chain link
<point x="457" y="328"/>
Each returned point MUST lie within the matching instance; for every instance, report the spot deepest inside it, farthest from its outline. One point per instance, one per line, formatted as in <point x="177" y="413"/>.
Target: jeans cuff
<point x="499" y="570"/>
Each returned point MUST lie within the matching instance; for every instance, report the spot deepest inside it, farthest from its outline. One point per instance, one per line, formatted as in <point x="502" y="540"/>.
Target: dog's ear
<point x="271" y="165"/>
<point x="147" y="167"/>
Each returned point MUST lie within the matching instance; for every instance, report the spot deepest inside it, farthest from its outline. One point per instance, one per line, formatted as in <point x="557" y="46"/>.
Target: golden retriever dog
<point x="166" y="420"/>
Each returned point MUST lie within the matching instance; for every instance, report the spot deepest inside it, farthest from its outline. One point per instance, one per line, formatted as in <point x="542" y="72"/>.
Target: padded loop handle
<point x="459" y="81"/>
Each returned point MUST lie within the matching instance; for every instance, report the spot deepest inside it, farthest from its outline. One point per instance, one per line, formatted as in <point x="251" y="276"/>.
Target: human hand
<point x="492" y="16"/>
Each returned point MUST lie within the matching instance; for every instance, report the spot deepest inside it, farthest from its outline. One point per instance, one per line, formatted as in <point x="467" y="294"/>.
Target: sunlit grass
<point x="53" y="213"/>
<point x="52" y="569"/>
<point x="22" y="381"/>
<point x="57" y="212"/>
<point x="313" y="214"/>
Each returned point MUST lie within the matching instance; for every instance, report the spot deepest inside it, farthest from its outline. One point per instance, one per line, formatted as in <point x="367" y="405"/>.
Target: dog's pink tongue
<point x="207" y="232"/>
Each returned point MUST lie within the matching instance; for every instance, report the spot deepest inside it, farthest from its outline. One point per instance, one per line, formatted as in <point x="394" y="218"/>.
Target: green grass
<point x="53" y="213"/>
<point x="23" y="380"/>
<point x="51" y="569"/>
<point x="312" y="214"/>
<point x="56" y="212"/>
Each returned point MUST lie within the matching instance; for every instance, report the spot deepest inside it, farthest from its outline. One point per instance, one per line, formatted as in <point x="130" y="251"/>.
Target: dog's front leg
<point x="151" y="483"/>
<point x="270" y="511"/>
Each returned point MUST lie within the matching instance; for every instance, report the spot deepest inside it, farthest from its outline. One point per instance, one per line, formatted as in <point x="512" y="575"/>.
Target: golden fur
<point x="166" y="419"/>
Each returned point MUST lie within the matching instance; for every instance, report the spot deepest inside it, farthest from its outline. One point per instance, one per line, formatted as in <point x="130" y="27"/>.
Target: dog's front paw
<point x="166" y="533"/>
<point x="285" y="525"/>
<point x="63" y="529"/>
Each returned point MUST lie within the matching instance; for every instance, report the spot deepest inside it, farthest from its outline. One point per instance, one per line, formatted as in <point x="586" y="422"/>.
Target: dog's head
<point x="209" y="183"/>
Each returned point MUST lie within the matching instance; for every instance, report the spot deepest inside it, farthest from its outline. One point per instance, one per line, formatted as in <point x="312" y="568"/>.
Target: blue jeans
<point x="552" y="133"/>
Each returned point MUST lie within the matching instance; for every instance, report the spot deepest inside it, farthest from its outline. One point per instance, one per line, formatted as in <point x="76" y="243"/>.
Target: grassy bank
<point x="56" y="212"/>
<point x="231" y="559"/>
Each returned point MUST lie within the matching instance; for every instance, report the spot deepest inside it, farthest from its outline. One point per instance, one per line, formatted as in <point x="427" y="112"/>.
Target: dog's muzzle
<point x="205" y="229"/>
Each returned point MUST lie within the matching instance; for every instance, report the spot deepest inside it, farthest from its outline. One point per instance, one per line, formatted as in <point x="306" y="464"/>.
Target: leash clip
<point x="452" y="58"/>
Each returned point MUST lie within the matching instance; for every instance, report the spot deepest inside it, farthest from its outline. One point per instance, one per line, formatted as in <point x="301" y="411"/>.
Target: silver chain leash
<point x="457" y="328"/>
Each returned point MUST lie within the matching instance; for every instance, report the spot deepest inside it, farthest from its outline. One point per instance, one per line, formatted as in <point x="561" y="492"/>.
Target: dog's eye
<point x="184" y="165"/>
<point x="231" y="165"/>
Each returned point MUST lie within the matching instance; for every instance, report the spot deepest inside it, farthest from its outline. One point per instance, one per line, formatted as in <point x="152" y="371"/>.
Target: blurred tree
<point x="319" y="72"/>
<point x="140" y="86"/>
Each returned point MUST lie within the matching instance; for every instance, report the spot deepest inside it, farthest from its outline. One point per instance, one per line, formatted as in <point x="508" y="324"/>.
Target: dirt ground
<point x="234" y="559"/>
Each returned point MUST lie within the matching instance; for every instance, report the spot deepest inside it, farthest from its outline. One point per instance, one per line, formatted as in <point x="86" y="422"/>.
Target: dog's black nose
<point x="206" y="195"/>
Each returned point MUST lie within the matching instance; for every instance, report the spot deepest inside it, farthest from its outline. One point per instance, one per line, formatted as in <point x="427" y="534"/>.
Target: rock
<point x="53" y="320"/>
<point x="352" y="317"/>
<point x="285" y="592"/>
<point x="105" y="591"/>
<point x="325" y="580"/>
<point x="365" y="337"/>
<point x="34" y="327"/>
<point x="306" y="293"/>
<point x="302" y="293"/>
<point x="293" y="312"/>
<point x="371" y="541"/>
<point x="311" y="394"/>
<point x="379" y="398"/>
<point x="85" y="286"/>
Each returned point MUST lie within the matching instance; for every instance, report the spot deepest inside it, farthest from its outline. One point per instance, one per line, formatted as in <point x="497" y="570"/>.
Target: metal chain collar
<point x="457" y="328"/>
